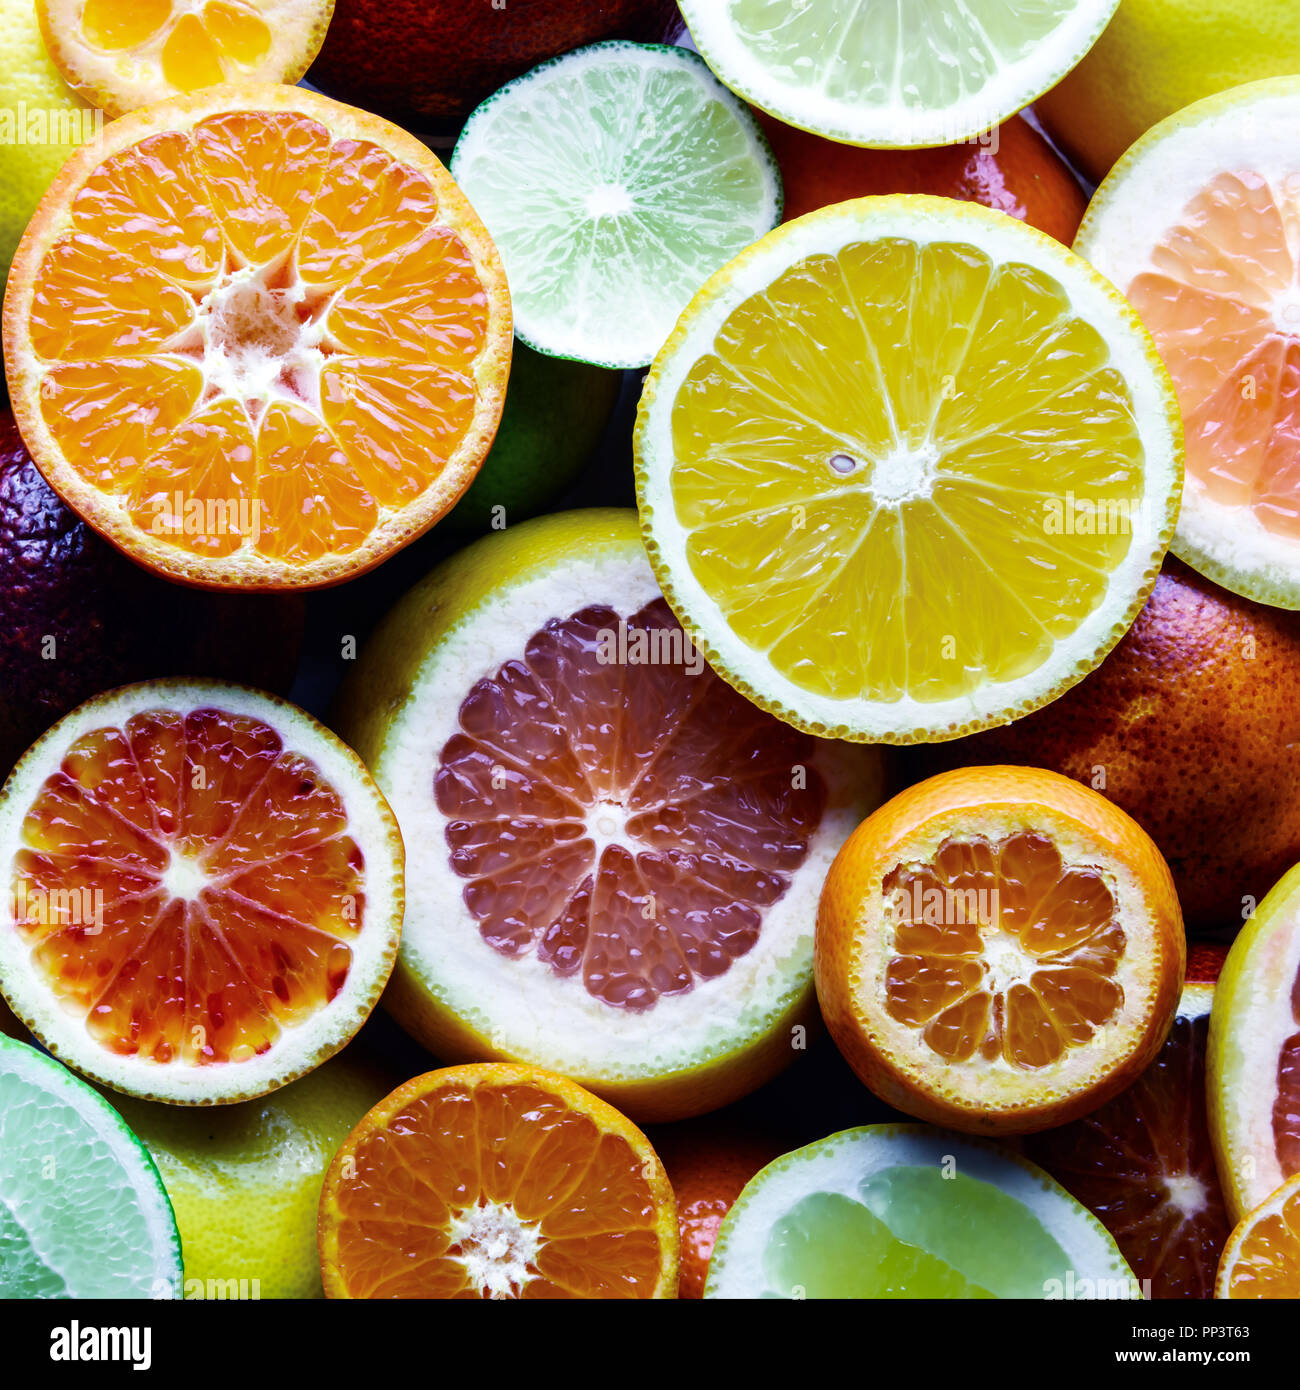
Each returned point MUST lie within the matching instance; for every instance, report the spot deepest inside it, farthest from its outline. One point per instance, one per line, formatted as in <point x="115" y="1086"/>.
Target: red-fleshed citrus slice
<point x="1143" y="1164"/>
<point x="495" y="1181"/>
<point x="1254" y="1058"/>
<point x="123" y="56"/>
<point x="1197" y="224"/>
<point x="203" y="891"/>
<point x="615" y="856"/>
<point x="256" y="338"/>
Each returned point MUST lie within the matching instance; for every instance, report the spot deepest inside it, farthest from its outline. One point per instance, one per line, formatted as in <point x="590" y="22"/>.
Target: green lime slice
<point x="897" y="73"/>
<point x="906" y="1211"/>
<point x="615" y="180"/>
<point x="83" y="1213"/>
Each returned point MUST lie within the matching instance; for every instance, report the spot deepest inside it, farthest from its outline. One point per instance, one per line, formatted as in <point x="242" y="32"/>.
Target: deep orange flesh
<point x="1143" y="1164"/>
<point x="1268" y="1259"/>
<point x="257" y="337"/>
<point x="253" y="938"/>
<point x="1002" y="950"/>
<point x="459" y="1150"/>
<point x="714" y="801"/>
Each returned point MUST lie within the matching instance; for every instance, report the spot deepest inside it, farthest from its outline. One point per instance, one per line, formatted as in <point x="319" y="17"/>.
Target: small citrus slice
<point x="1144" y="1165"/>
<point x="123" y="56"/>
<point x="203" y="891"/>
<point x="614" y="857"/>
<point x="497" y="1181"/>
<point x="663" y="178"/>
<point x="256" y="338"/>
<point x="1262" y="1257"/>
<point x="83" y="1213"/>
<point x="1254" y="1056"/>
<point x="859" y="533"/>
<point x="1197" y="225"/>
<point x="905" y="1211"/>
<point x="999" y="949"/>
<point x="905" y="74"/>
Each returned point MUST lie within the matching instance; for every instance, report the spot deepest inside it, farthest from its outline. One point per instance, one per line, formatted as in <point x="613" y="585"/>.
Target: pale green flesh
<point x="614" y="182"/>
<point x="82" y="1210"/>
<point x="915" y="1233"/>
<point x="922" y="53"/>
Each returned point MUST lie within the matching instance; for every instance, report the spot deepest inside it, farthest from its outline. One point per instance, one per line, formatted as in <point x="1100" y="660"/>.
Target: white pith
<point x="923" y="221"/>
<point x="497" y="1247"/>
<point x="1250" y="128"/>
<point x="520" y="1004"/>
<point x="162" y="1272"/>
<point x="842" y="1162"/>
<point x="1014" y="83"/>
<point x="298" y="1048"/>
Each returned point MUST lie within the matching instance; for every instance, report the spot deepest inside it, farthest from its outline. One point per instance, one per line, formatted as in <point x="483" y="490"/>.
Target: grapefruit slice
<point x="1254" y="1056"/>
<point x="1197" y="225"/>
<point x="1143" y="1164"/>
<point x="615" y="858"/>
<point x="861" y="536"/>
<point x="497" y="1181"/>
<point x="122" y="56"/>
<point x="999" y="949"/>
<point x="1262" y="1259"/>
<point x="257" y="339"/>
<point x="203" y="891"/>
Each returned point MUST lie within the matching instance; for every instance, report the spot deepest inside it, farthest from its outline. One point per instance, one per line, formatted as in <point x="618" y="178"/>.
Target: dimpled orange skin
<point x="1195" y="719"/>
<point x="1018" y="173"/>
<point x="961" y="802"/>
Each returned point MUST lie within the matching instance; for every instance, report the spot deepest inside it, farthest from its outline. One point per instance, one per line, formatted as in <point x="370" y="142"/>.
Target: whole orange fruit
<point x="435" y="60"/>
<point x="1192" y="726"/>
<point x="709" y="1162"/>
<point x="1012" y="169"/>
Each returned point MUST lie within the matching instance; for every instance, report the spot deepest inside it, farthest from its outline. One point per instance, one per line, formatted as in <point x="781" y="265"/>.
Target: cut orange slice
<point x="123" y="56"/>
<point x="1144" y="1166"/>
<point x="1198" y="225"/>
<point x="203" y="891"/>
<point x="999" y="949"/>
<point x="496" y="1181"/>
<point x="1262" y="1257"/>
<point x="256" y="338"/>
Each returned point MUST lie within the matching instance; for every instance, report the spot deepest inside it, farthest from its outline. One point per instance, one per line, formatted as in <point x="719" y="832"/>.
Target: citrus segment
<point x="818" y="456"/>
<point x="904" y="1211"/>
<point x="272" y="308"/>
<point x="617" y="853"/>
<point x="998" y="949"/>
<point x="894" y="75"/>
<point x="204" y="892"/>
<point x="497" y="1182"/>
<point x="1212" y="267"/>
<point x="1143" y="1163"/>
<point x="1262" y="1259"/>
<point x="1254" y="1058"/>
<point x="121" y="57"/>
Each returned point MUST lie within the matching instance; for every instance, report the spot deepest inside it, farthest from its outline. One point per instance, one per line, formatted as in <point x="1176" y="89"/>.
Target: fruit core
<point x="496" y="1246"/>
<point x="188" y="887"/>
<point x="619" y="811"/>
<point x="1001" y="950"/>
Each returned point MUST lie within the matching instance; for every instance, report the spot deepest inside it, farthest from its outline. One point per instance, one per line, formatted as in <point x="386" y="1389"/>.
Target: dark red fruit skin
<point x="77" y="617"/>
<point x="1195" y="720"/>
<point x="419" y="62"/>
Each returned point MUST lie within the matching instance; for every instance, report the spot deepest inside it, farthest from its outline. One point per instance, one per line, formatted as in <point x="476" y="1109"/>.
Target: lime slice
<point x="615" y="180"/>
<point x="906" y="1211"/>
<point x="883" y="72"/>
<point x="83" y="1213"/>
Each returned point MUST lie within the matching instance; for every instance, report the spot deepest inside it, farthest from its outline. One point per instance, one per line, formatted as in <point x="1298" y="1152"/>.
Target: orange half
<point x="1262" y="1257"/>
<point x="497" y="1181"/>
<point x="121" y="56"/>
<point x="256" y="338"/>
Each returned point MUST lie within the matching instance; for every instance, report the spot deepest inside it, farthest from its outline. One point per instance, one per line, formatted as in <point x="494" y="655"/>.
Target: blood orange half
<point x="203" y="891"/>
<point x="616" y="857"/>
<point x="1144" y="1166"/>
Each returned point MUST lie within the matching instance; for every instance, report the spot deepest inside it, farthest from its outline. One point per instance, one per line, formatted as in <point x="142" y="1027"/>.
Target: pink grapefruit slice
<point x="615" y="857"/>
